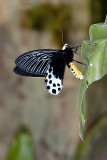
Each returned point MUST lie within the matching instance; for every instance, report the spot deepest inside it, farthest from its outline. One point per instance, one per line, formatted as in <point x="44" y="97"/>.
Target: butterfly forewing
<point x="20" y="72"/>
<point x="36" y="62"/>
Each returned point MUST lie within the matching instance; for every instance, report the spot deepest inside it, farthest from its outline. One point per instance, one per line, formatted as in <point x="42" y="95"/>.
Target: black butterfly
<point x="48" y="63"/>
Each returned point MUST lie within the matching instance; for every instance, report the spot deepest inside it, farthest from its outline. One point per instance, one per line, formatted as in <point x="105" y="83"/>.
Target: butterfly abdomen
<point x="75" y="71"/>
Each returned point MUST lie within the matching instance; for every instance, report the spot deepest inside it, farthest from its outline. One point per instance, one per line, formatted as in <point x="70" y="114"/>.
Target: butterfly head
<point x="65" y="46"/>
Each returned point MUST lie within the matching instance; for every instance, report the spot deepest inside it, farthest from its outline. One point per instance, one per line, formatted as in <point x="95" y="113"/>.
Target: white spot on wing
<point x="53" y="84"/>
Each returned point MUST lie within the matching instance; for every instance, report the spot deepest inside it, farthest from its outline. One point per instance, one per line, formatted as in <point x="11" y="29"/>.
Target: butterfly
<point x="48" y="63"/>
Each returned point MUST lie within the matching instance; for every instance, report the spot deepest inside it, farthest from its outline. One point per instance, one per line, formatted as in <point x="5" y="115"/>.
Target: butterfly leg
<point x="79" y="62"/>
<point x="76" y="49"/>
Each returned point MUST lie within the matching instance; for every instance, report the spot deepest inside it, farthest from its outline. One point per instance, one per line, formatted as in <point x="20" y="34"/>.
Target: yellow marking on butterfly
<point x="75" y="71"/>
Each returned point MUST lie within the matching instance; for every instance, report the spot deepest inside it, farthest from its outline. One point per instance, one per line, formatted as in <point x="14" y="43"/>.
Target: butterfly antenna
<point x="62" y="36"/>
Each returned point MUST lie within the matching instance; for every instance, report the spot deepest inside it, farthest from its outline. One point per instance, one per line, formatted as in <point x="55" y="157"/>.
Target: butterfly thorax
<point x="68" y="53"/>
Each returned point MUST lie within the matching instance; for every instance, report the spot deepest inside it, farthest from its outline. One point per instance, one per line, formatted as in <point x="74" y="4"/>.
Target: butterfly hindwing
<point x="53" y="85"/>
<point x="55" y="74"/>
<point x="35" y="62"/>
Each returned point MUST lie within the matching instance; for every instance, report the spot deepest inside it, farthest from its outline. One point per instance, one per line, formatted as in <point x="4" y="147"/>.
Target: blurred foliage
<point x="51" y="18"/>
<point x="98" y="10"/>
<point x="21" y="147"/>
<point x="95" y="144"/>
<point x="97" y="101"/>
<point x="94" y="53"/>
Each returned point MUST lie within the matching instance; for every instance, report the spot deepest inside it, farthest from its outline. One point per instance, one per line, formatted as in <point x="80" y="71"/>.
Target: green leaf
<point x="21" y="147"/>
<point x="94" y="54"/>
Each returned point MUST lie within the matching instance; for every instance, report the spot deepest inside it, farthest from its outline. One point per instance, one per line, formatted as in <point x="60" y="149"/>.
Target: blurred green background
<point x="51" y="122"/>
